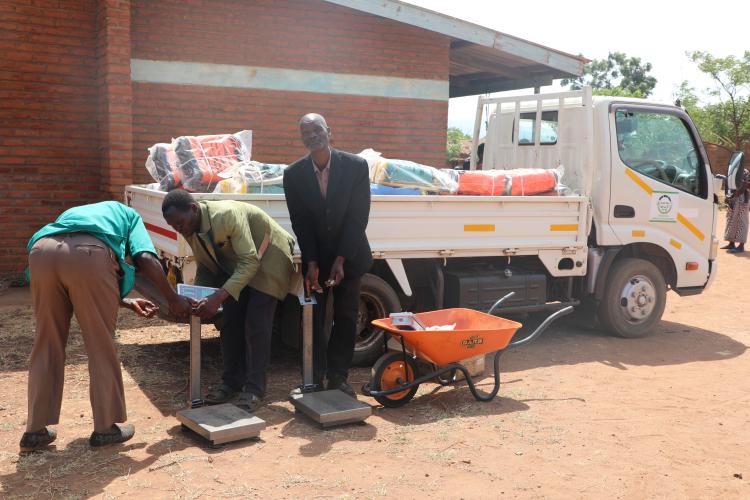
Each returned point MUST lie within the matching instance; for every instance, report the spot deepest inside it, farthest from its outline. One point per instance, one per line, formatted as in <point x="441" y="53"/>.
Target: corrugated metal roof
<point x="481" y="59"/>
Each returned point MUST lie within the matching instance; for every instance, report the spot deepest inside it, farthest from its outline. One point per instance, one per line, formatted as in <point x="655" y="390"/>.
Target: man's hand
<point x="208" y="307"/>
<point x="337" y="272"/>
<point x="141" y="307"/>
<point x="179" y="306"/>
<point x="311" y="278"/>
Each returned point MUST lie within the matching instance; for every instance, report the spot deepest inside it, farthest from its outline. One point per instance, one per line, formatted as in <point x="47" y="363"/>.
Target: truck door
<point x="660" y="192"/>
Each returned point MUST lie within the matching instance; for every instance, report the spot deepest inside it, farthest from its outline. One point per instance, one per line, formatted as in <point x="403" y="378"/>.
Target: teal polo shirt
<point x="118" y="226"/>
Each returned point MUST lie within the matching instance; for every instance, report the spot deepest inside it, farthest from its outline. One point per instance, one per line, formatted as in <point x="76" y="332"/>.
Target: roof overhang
<point x="482" y="60"/>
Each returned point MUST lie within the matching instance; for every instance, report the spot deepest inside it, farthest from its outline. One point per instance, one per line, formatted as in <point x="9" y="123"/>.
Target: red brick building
<point x="87" y="85"/>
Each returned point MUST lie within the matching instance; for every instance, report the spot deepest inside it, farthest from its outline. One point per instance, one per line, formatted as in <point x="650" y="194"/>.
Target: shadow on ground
<point x="77" y="470"/>
<point x="571" y="342"/>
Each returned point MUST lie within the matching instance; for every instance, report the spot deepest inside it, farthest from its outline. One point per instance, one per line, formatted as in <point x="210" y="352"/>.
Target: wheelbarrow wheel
<point x="389" y="372"/>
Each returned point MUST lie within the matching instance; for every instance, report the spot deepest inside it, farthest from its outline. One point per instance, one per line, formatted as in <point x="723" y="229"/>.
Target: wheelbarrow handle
<point x="541" y="328"/>
<point x="499" y="302"/>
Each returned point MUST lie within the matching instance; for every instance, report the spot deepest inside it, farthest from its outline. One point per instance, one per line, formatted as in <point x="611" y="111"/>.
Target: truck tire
<point x="634" y="298"/>
<point x="376" y="300"/>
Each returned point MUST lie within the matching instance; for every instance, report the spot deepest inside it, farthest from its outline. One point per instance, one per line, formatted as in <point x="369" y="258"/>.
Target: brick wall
<point x="718" y="157"/>
<point x="297" y="34"/>
<point x="49" y="156"/>
<point x="396" y="127"/>
<point x="74" y="129"/>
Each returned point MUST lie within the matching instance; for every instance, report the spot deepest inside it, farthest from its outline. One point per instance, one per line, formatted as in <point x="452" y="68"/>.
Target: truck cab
<point x="653" y="202"/>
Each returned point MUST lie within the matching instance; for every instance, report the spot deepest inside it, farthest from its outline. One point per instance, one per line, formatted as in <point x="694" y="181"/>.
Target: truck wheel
<point x="634" y="298"/>
<point x="376" y="300"/>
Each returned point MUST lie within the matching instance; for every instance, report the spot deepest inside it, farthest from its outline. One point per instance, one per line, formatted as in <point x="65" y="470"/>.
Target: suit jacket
<point x="226" y="249"/>
<point x="334" y="226"/>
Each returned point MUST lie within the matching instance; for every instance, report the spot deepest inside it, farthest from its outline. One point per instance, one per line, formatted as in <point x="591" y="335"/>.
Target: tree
<point x="617" y="75"/>
<point x="453" y="148"/>
<point x="726" y="121"/>
<point x="708" y="118"/>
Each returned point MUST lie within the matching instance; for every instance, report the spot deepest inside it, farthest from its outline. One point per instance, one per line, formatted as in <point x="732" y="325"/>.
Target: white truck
<point x="638" y="219"/>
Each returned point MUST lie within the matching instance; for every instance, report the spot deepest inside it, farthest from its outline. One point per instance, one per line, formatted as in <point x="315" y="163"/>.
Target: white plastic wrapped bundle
<point x="255" y="178"/>
<point x="198" y="163"/>
<point x="408" y="174"/>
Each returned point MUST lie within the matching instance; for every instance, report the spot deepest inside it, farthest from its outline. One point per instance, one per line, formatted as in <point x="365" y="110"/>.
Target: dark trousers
<point x="246" y="340"/>
<point x="332" y="356"/>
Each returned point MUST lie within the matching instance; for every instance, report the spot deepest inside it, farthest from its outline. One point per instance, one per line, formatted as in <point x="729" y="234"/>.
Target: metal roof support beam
<point x="500" y="85"/>
<point x="464" y="30"/>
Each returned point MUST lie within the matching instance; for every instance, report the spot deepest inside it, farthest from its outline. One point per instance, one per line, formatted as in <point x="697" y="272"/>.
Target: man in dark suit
<point x="328" y="195"/>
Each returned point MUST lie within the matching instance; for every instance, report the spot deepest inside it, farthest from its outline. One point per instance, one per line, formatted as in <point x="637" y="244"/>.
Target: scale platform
<point x="219" y="424"/>
<point x="327" y="408"/>
<point x="330" y="408"/>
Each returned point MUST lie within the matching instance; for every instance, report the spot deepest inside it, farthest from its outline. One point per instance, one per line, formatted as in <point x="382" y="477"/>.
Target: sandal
<point x="248" y="401"/>
<point x="220" y="395"/>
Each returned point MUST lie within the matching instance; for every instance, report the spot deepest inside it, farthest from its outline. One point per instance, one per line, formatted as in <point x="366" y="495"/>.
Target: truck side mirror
<point x="734" y="170"/>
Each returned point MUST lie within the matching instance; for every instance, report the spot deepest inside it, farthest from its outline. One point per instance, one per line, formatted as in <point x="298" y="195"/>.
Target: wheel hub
<point x="638" y="298"/>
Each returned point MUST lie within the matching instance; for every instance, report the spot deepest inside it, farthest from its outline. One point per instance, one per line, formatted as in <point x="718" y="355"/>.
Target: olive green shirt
<point x="227" y="244"/>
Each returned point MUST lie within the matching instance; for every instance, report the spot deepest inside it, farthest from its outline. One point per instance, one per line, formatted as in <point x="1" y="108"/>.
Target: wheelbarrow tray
<point x="475" y="333"/>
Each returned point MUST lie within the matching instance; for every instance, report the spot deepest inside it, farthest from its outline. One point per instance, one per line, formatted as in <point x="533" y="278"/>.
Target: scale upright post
<point x="327" y="408"/>
<point x="219" y="424"/>
<point x="195" y="399"/>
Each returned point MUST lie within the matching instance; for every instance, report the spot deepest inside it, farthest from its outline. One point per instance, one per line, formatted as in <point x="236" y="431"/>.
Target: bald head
<point x="313" y="118"/>
<point x="314" y="132"/>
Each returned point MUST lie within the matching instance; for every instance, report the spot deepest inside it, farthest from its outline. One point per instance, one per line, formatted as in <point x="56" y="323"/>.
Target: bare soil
<point x="580" y="414"/>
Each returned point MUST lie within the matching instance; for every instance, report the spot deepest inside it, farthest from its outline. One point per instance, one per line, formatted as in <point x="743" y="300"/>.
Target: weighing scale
<point x="222" y="423"/>
<point x="327" y="408"/>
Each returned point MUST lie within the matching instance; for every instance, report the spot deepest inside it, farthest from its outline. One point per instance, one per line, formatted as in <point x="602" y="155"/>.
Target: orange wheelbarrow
<point x="396" y="376"/>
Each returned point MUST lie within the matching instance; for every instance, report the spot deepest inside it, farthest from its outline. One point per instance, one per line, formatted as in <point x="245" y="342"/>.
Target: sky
<point x="657" y="31"/>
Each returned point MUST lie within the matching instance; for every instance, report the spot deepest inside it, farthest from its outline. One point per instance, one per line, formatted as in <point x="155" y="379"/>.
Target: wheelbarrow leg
<point x="541" y="328"/>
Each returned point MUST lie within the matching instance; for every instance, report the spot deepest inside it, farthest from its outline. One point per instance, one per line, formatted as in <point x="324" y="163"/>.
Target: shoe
<point x="248" y="401"/>
<point x="736" y="250"/>
<point x="118" y="433"/>
<point x="32" y="441"/>
<point x="336" y="383"/>
<point x="727" y="247"/>
<point x="220" y="395"/>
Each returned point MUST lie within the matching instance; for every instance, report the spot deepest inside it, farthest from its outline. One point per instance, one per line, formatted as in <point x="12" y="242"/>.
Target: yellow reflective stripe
<point x="639" y="181"/>
<point x="690" y="227"/>
<point x="563" y="227"/>
<point x="638" y="233"/>
<point x="479" y="227"/>
<point x="675" y="244"/>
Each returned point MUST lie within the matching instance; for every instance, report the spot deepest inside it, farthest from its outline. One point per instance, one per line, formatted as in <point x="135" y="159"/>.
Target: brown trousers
<point x="78" y="273"/>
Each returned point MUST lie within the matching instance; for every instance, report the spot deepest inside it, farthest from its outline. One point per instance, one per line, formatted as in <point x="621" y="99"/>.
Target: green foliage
<point x="453" y="148"/>
<point x="725" y="121"/>
<point x="617" y="75"/>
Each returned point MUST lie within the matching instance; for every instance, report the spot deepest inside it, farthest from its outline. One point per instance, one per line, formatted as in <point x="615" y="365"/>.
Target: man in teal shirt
<point x="78" y="264"/>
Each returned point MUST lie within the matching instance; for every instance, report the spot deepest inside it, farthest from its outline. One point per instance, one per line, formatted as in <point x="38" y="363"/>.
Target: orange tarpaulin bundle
<point x="516" y="182"/>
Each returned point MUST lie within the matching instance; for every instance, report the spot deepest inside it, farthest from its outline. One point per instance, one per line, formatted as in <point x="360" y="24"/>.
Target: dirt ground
<point x="580" y="414"/>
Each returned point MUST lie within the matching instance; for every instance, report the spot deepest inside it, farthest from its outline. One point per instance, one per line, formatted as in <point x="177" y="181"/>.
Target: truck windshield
<point x="660" y="146"/>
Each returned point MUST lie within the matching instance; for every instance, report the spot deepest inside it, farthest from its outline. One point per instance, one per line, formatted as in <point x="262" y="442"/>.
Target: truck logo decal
<point x="472" y="342"/>
<point x="680" y="217"/>
<point x="664" y="206"/>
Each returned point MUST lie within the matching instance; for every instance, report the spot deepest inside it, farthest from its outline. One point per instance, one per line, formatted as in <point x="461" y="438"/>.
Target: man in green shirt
<point x="77" y="264"/>
<point x="245" y="254"/>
